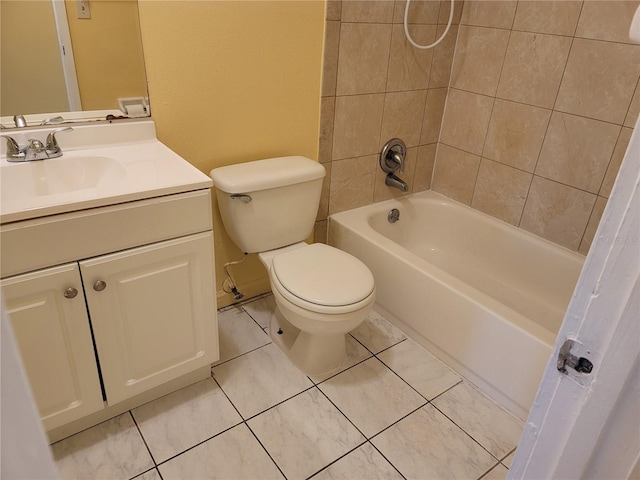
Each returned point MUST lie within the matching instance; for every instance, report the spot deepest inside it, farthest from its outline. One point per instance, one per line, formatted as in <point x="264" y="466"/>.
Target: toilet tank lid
<point x="265" y="174"/>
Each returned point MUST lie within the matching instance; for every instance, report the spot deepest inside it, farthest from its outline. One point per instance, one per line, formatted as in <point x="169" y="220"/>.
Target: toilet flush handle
<point x="242" y="197"/>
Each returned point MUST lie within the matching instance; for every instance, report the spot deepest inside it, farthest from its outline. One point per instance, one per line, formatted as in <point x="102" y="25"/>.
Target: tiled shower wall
<point x="540" y="105"/>
<point x="376" y="86"/>
<point x="542" y="100"/>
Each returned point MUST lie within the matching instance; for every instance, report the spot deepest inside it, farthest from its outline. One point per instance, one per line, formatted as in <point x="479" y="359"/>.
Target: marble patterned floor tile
<point x="376" y="333"/>
<point x="150" y="475"/>
<point x="371" y="396"/>
<point x="260" y="310"/>
<point x="508" y="459"/>
<point x="239" y="334"/>
<point x="234" y="454"/>
<point x="111" y="450"/>
<point x="260" y="379"/>
<point x="182" y="419"/>
<point x="426" y="444"/>
<point x="496" y="473"/>
<point x="419" y="368"/>
<point x="489" y="424"/>
<point x="356" y="353"/>
<point x="305" y="433"/>
<point x="364" y="462"/>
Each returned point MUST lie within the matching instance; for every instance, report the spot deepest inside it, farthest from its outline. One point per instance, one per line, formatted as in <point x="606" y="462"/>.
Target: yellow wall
<point x="32" y="77"/>
<point x="234" y="81"/>
<point x="108" y="53"/>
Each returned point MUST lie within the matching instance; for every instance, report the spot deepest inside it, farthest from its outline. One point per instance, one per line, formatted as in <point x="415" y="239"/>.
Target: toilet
<point x="321" y="293"/>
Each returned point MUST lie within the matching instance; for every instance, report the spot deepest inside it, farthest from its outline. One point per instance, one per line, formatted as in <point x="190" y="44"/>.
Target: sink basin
<point x="101" y="165"/>
<point x="58" y="176"/>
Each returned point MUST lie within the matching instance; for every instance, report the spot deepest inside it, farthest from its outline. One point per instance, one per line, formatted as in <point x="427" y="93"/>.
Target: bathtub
<point x="485" y="297"/>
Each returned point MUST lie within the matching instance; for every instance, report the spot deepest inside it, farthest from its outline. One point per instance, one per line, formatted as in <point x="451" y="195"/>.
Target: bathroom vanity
<point x="108" y="273"/>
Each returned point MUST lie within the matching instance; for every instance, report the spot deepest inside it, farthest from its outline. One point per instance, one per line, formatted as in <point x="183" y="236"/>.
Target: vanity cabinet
<point x="133" y="311"/>
<point x="49" y="318"/>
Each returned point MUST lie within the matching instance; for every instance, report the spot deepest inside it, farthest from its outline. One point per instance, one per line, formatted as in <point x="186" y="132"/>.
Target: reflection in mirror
<point x="52" y="62"/>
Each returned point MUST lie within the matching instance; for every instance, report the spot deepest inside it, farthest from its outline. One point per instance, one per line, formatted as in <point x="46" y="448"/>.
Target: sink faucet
<point x="19" y="121"/>
<point x="35" y="149"/>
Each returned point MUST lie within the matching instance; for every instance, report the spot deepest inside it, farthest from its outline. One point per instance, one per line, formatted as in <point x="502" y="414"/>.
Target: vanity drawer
<point x="42" y="242"/>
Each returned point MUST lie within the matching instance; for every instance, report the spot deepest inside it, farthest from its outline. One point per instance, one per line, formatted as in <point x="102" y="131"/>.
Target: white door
<point x="54" y="339"/>
<point x="153" y="313"/>
<point x="583" y="425"/>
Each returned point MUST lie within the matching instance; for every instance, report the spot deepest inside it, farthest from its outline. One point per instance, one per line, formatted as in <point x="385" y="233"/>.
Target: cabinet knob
<point x="99" y="286"/>
<point x="70" y="292"/>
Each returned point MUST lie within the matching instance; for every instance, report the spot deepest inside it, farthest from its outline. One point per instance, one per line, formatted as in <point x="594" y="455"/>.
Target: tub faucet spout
<point x="394" y="181"/>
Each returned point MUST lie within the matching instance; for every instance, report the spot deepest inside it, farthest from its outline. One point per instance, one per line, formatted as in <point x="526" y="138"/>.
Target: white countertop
<point x="112" y="164"/>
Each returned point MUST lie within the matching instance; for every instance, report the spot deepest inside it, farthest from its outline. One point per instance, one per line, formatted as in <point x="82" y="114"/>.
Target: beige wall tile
<point x="599" y="80"/>
<point x="420" y="11"/>
<point x="352" y="183"/>
<point x="577" y="150"/>
<point x="634" y="109"/>
<point x="515" y="135"/>
<point x="432" y="120"/>
<point x="592" y="226"/>
<point x="533" y="68"/>
<point x="376" y="11"/>
<point x="478" y="59"/>
<point x="557" y="212"/>
<point x="606" y="20"/>
<point x="489" y="13"/>
<point x="402" y="117"/>
<point x="424" y="167"/>
<point x="323" y="209"/>
<point x="445" y="9"/>
<point x="616" y="161"/>
<point x="383" y="192"/>
<point x="330" y="59"/>
<point x="363" y="58"/>
<point x="544" y="16"/>
<point x="501" y="191"/>
<point x="334" y="9"/>
<point x="327" y="114"/>
<point x="466" y="120"/>
<point x="320" y="232"/>
<point x="409" y="67"/>
<point x="443" y="58"/>
<point x="454" y="173"/>
<point x="357" y="125"/>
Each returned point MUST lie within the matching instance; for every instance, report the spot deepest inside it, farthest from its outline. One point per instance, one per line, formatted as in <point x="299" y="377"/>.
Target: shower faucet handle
<point x="393" y="155"/>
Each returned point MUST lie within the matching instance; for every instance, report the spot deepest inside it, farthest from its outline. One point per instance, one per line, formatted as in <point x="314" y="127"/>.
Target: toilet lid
<point x="323" y="275"/>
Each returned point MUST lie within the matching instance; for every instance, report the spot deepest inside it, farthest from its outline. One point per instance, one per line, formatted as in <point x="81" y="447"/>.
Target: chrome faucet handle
<point x="13" y="149"/>
<point x="51" y="120"/>
<point x="393" y="155"/>
<point x="52" y="146"/>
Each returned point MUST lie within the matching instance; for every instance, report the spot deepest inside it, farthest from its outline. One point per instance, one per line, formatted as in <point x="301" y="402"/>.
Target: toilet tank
<point x="268" y="204"/>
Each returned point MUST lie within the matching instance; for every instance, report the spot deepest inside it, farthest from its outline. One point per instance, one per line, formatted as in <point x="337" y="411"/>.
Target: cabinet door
<point x="54" y="338"/>
<point x="153" y="313"/>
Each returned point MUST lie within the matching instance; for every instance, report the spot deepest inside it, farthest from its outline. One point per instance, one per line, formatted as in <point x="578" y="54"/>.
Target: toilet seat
<point x="322" y="279"/>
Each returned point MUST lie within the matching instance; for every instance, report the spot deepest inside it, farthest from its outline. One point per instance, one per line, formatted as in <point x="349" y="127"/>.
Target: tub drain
<point x="394" y="215"/>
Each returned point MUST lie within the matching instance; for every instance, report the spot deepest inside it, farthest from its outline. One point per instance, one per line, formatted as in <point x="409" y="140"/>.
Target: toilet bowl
<point x="269" y="207"/>
<point x="321" y="294"/>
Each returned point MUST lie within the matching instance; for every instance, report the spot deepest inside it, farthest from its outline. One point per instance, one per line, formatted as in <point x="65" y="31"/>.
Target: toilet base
<point x="313" y="354"/>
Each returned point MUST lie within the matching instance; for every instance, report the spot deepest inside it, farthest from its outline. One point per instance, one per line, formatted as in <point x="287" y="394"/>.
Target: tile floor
<point x="393" y="411"/>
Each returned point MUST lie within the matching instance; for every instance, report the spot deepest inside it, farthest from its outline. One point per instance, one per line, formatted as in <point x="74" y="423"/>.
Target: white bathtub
<point x="484" y="296"/>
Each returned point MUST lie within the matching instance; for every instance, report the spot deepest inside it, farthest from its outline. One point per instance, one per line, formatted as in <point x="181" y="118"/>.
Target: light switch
<point x="83" y="9"/>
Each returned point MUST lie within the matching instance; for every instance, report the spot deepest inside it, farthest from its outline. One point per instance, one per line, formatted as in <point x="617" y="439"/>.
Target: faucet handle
<point x="52" y="142"/>
<point x="393" y="155"/>
<point x="13" y="149"/>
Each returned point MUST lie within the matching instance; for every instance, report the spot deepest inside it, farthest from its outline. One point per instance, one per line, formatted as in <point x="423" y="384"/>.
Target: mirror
<point x="78" y="59"/>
